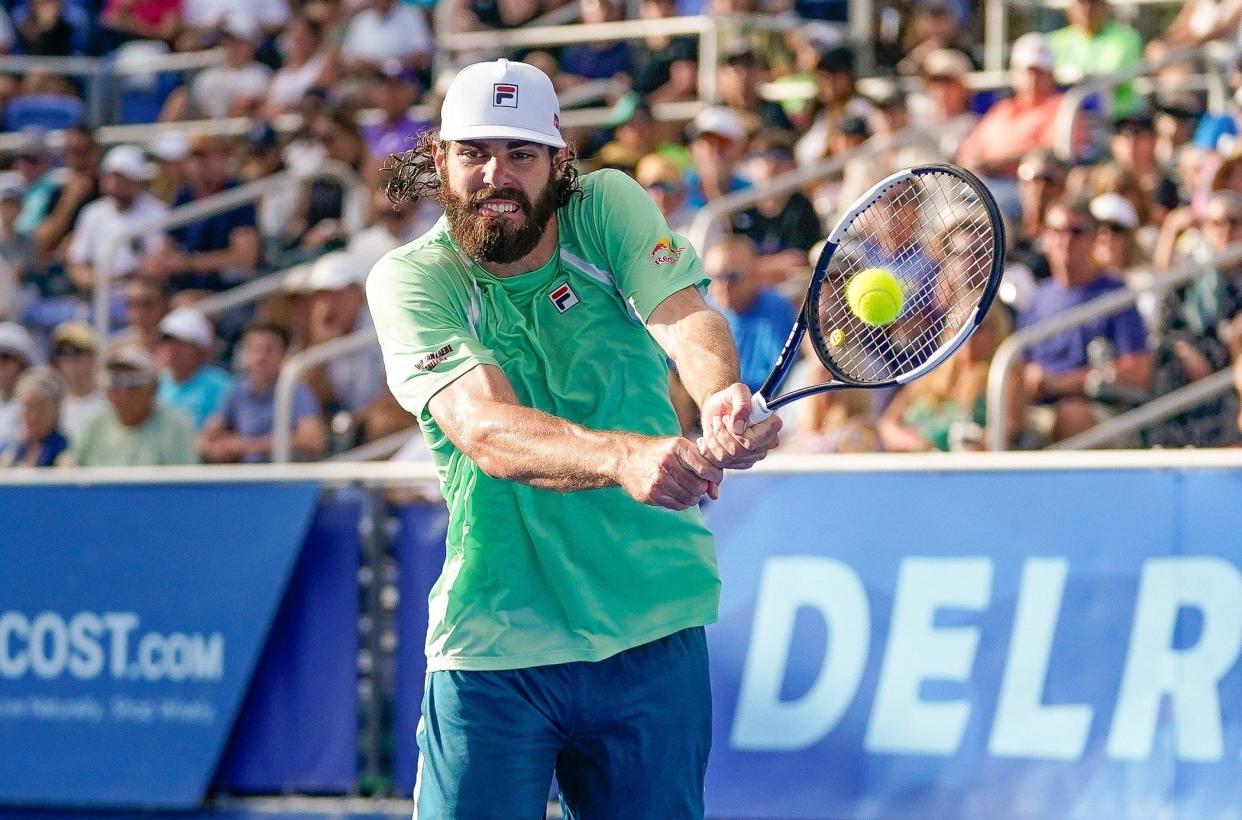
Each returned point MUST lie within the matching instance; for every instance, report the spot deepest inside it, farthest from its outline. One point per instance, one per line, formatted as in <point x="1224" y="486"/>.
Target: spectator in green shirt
<point x="1093" y="45"/>
<point x="134" y="430"/>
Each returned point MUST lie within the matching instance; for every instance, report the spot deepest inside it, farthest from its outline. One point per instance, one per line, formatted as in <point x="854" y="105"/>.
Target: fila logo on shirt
<point x="563" y="297"/>
<point x="504" y="95"/>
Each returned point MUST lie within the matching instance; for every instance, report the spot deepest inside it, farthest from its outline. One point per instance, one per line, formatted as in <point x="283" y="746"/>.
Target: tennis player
<point x="530" y="332"/>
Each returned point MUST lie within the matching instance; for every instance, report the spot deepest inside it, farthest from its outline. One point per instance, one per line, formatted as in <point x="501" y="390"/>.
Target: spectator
<point x="1133" y="145"/>
<point x="1015" y="126"/>
<point x="1116" y="248"/>
<point x="187" y="381"/>
<point x="45" y="29"/>
<point x="665" y="67"/>
<point x="353" y="383"/>
<point x="33" y="160"/>
<point x="481" y="15"/>
<point x="73" y="355"/>
<point x="79" y="188"/>
<point x="134" y="430"/>
<point x="783" y="227"/>
<point x="945" y="106"/>
<point x="1041" y="182"/>
<point x="218" y="250"/>
<point x="1093" y="45"/>
<point x="395" y="91"/>
<point x="835" y="100"/>
<point x="242" y="429"/>
<point x="391" y="226"/>
<point x="933" y="28"/>
<point x="125" y="20"/>
<point x="328" y="212"/>
<point x="146" y="303"/>
<point x="1059" y="376"/>
<point x="17" y="352"/>
<point x="125" y="206"/>
<point x="170" y="150"/>
<point x="636" y="134"/>
<point x="666" y="186"/>
<point x="737" y="83"/>
<point x="16" y="251"/>
<point x="236" y="88"/>
<point x="947" y="410"/>
<point x="600" y="60"/>
<point x="307" y="64"/>
<point x="1198" y="325"/>
<point x="759" y="317"/>
<point x="38" y="398"/>
<point x="717" y="141"/>
<point x="841" y="421"/>
<point x="387" y="30"/>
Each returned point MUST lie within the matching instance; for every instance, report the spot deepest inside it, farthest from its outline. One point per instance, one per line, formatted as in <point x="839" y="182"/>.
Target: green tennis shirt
<point x="531" y="576"/>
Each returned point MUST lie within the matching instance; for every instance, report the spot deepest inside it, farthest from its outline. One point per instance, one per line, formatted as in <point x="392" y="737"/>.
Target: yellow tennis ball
<point x="875" y="297"/>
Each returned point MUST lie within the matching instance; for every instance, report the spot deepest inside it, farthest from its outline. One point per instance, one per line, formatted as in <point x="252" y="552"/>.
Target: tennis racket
<point x="937" y="229"/>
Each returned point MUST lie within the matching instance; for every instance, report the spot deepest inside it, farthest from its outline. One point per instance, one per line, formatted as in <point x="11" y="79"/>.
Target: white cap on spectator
<point x="502" y="99"/>
<point x="242" y="27"/>
<point x="296" y="279"/>
<point x="333" y="271"/>
<point x="128" y="161"/>
<point x="721" y="121"/>
<point x="171" y="146"/>
<point x="133" y="357"/>
<point x="15" y="340"/>
<point x="946" y="62"/>
<point x="1116" y="209"/>
<point x="188" y="325"/>
<point x="1031" y="50"/>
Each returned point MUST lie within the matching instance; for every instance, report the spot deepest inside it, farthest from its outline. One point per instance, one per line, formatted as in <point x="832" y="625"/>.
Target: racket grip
<point x="758" y="409"/>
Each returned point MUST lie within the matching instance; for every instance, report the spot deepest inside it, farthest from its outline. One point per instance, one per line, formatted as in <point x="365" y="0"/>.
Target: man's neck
<point x="534" y="260"/>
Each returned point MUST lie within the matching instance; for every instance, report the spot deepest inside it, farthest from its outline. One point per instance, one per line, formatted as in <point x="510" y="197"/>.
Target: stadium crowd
<point x="1156" y="181"/>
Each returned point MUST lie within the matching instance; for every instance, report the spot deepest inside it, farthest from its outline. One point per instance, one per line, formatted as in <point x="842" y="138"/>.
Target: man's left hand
<point x="728" y="439"/>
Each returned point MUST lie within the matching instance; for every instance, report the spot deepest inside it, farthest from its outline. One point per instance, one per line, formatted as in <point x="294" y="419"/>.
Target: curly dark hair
<point x="412" y="175"/>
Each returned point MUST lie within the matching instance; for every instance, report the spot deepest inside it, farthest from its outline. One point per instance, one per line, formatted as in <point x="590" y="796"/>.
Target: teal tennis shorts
<point x="628" y="737"/>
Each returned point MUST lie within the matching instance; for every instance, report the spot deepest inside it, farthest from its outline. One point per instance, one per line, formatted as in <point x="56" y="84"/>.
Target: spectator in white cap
<point x="718" y="139"/>
<point x="170" y="151"/>
<point x="1116" y="220"/>
<point x="1022" y="123"/>
<point x="38" y="397"/>
<point x="355" y="382"/>
<point x="188" y="381"/>
<point x="530" y="333"/>
<point x="134" y="430"/>
<point x="17" y="352"/>
<point x="125" y="206"/>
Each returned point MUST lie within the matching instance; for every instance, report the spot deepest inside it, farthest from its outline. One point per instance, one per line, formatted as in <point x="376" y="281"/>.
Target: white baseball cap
<point x="501" y="100"/>
<point x="188" y="325"/>
<point x="1116" y="209"/>
<point x="333" y="271"/>
<point x="721" y="121"/>
<point x="15" y="341"/>
<point x="128" y="161"/>
<point x="1031" y="50"/>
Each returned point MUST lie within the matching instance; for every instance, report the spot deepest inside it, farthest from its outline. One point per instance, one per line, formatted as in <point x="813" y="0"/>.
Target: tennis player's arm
<point x="698" y="341"/>
<point x="482" y="416"/>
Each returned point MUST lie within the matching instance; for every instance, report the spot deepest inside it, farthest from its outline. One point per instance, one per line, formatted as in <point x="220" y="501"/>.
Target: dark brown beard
<point x="494" y="239"/>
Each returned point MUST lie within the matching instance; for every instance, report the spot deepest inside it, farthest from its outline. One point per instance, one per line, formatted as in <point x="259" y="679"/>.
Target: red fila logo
<point x="504" y="95"/>
<point x="563" y="297"/>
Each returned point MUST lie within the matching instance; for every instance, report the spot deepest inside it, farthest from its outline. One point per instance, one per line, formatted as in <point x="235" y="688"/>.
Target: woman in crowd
<point x="39" y="393"/>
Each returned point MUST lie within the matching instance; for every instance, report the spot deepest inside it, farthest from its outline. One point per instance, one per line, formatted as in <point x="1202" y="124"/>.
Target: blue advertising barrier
<point x="1020" y="645"/>
<point x="297" y="730"/>
<point x="130" y="620"/>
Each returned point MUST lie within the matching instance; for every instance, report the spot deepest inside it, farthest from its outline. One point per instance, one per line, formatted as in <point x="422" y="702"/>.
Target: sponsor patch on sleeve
<point x="433" y="359"/>
<point x="665" y="251"/>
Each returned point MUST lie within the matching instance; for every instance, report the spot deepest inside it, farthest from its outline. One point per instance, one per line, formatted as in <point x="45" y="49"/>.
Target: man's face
<point x="181" y="357"/>
<point x="11" y="367"/>
<point x="262" y="354"/>
<point x="1039" y="186"/>
<point x="1031" y="82"/>
<point x="714" y="154"/>
<point x="728" y="267"/>
<point x="73" y="362"/>
<point x="1133" y="142"/>
<point x="121" y="188"/>
<point x="144" y="308"/>
<point x="132" y="395"/>
<point x="498" y="196"/>
<point x="38" y="413"/>
<point x="207" y="166"/>
<point x="1068" y="238"/>
<point x="79" y="152"/>
<point x="1222" y="224"/>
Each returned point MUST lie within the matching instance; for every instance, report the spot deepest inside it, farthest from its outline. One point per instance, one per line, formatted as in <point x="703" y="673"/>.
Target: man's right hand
<point x="667" y="472"/>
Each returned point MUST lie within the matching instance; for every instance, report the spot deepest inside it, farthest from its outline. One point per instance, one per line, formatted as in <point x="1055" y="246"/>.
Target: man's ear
<point x="439" y="156"/>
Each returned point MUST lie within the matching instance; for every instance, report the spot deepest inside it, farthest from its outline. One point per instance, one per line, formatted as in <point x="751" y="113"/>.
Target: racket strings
<point x="936" y="237"/>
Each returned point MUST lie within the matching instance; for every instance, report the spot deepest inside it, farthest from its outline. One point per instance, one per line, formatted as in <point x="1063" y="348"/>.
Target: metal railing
<point x="100" y="73"/>
<point x="1011" y="349"/>
<point x="291" y="373"/>
<point x="715" y="211"/>
<point x="193" y="212"/>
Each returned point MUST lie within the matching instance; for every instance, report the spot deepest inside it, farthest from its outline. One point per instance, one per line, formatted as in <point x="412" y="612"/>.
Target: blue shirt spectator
<point x="198" y="396"/>
<point x="1067" y="351"/>
<point x="198" y="389"/>
<point x="249" y="409"/>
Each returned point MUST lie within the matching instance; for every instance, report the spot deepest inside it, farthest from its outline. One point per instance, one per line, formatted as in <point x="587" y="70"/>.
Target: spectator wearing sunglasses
<point x="759" y="317"/>
<point x="1060" y="378"/>
<point x="73" y="356"/>
<point x="134" y="430"/>
<point x="1116" y="220"/>
<point x="41" y="444"/>
<point x="662" y="180"/>
<point x="17" y="352"/>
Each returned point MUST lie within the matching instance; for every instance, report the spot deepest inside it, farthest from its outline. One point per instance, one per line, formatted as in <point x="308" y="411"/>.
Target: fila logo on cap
<point x="504" y="95"/>
<point x="563" y="297"/>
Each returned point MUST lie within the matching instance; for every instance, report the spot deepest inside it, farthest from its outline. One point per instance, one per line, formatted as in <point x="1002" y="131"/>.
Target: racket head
<point x="938" y="230"/>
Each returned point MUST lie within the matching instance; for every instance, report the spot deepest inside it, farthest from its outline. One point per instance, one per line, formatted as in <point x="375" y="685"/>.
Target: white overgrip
<point x="758" y="409"/>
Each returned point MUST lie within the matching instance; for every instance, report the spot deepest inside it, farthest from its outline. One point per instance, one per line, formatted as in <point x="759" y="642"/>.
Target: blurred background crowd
<point x="292" y="108"/>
